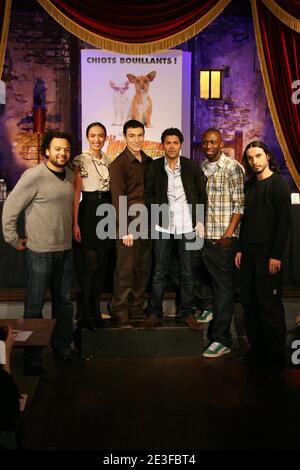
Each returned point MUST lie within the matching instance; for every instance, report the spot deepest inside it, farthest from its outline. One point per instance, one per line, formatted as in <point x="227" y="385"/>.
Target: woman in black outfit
<point x="92" y="181"/>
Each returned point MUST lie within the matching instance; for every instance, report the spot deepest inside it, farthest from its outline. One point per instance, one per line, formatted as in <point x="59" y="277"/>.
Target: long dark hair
<point x="258" y="143"/>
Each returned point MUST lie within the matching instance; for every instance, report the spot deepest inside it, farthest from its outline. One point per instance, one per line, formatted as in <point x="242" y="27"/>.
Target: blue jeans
<point x="163" y="251"/>
<point x="54" y="270"/>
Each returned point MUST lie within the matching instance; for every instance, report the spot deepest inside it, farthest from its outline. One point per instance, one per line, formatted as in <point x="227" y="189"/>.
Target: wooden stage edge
<point x="16" y="294"/>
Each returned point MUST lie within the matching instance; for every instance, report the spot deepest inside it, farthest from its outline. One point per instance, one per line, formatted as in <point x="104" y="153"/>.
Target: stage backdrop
<point x="113" y="83"/>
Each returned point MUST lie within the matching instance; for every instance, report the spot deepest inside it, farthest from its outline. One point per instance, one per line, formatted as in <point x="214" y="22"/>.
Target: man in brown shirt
<point x="133" y="254"/>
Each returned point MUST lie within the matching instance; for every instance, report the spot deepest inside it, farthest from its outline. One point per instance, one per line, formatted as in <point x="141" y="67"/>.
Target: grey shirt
<point x="48" y="204"/>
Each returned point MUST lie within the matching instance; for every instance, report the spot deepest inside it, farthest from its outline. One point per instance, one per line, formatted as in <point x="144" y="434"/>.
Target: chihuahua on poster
<point x="141" y="106"/>
<point x="121" y="102"/>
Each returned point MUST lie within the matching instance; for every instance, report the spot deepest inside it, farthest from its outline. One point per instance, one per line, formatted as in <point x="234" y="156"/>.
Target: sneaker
<point x="216" y="350"/>
<point x="205" y="316"/>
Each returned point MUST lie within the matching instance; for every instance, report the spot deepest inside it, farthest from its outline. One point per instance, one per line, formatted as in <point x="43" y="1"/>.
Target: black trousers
<point x="203" y="296"/>
<point x="263" y="309"/>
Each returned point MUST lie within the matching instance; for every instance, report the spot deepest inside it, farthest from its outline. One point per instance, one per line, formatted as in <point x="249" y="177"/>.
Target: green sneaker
<point x="205" y="316"/>
<point x="216" y="350"/>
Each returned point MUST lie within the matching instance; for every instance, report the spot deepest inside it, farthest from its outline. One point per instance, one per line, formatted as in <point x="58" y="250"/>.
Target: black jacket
<point x="156" y="184"/>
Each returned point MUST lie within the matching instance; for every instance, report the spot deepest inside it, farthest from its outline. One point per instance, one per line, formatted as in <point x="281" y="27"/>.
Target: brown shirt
<point x="127" y="178"/>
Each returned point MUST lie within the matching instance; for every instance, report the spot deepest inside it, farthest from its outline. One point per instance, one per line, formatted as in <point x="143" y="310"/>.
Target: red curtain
<point x="281" y="51"/>
<point x="292" y="7"/>
<point x="134" y="21"/>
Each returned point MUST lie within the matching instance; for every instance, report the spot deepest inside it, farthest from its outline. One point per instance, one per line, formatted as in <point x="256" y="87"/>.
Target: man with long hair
<point x="264" y="230"/>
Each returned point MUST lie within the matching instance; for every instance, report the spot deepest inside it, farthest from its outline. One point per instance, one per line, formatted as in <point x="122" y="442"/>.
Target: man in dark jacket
<point x="178" y="183"/>
<point x="264" y="231"/>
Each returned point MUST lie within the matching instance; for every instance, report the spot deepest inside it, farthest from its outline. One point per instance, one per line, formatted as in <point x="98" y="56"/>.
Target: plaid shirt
<point x="225" y="196"/>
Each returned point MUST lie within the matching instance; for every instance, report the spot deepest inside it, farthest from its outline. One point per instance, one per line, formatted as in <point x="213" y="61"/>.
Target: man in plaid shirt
<point x="224" y="209"/>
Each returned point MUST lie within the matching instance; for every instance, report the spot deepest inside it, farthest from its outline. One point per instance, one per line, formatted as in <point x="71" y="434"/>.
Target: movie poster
<point x="148" y="88"/>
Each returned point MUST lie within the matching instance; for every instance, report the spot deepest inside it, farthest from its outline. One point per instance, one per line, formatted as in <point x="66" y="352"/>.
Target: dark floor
<point x="163" y="403"/>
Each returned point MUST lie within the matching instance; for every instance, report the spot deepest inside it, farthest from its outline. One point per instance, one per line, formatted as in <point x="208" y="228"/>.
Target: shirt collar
<point x="178" y="165"/>
<point x="102" y="160"/>
<point x="132" y="157"/>
<point x="220" y="162"/>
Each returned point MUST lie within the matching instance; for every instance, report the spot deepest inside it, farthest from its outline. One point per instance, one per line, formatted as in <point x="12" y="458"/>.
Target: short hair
<point x="99" y="124"/>
<point x="258" y="143"/>
<point x="134" y="124"/>
<point x="213" y="129"/>
<point x="172" y="131"/>
<point x="50" y="135"/>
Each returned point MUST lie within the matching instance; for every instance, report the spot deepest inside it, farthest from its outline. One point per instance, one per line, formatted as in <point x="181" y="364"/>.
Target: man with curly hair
<point x="46" y="193"/>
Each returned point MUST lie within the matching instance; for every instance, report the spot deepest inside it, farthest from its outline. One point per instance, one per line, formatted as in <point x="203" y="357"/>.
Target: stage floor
<point x="162" y="403"/>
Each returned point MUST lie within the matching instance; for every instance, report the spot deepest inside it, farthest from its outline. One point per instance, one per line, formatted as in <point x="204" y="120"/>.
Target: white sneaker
<point x="216" y="350"/>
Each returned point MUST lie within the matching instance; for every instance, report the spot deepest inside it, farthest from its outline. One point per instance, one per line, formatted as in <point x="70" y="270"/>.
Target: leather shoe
<point x="151" y="322"/>
<point x="37" y="370"/>
<point x="87" y="325"/>
<point x="92" y="325"/>
<point x="100" y="323"/>
<point x="122" y="321"/>
<point x="246" y="359"/>
<point x="192" y="323"/>
<point x="70" y="357"/>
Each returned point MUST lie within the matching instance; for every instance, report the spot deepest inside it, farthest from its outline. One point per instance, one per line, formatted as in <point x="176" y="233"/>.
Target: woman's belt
<point x="96" y="195"/>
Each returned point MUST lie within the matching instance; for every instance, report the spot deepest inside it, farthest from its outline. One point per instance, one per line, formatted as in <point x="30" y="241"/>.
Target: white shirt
<point x="180" y="217"/>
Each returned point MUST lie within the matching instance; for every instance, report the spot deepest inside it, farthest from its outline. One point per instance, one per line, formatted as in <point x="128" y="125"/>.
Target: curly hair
<point x="50" y="135"/>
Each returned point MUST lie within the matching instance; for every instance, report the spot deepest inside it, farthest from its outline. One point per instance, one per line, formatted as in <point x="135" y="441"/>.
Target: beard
<point x="58" y="163"/>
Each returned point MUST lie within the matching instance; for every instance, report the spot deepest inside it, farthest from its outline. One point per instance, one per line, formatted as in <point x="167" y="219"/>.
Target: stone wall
<point x="37" y="74"/>
<point x="228" y="44"/>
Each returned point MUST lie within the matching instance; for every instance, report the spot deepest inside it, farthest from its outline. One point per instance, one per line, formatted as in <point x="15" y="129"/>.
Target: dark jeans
<point x="54" y="270"/>
<point x="220" y="264"/>
<point x="203" y="296"/>
<point x="263" y="309"/>
<point x="132" y="272"/>
<point x="162" y="255"/>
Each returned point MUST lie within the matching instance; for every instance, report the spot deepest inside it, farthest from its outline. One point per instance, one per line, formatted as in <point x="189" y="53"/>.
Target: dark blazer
<point x="193" y="180"/>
